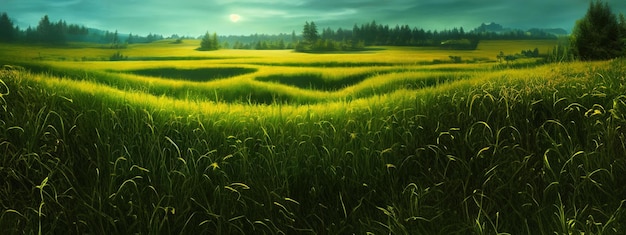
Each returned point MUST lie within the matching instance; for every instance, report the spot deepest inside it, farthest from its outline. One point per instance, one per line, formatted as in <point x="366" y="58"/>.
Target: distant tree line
<point x="261" y="41"/>
<point x="313" y="41"/>
<point x="374" y="34"/>
<point x="45" y="32"/>
<point x="60" y="32"/>
<point x="131" y="39"/>
<point x="495" y="31"/>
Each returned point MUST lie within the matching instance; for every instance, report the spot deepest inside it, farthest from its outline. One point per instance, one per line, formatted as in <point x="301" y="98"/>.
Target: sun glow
<point x="234" y="17"/>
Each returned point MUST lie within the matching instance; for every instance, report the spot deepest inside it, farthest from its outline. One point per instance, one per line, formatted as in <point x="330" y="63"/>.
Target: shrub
<point x="118" y="56"/>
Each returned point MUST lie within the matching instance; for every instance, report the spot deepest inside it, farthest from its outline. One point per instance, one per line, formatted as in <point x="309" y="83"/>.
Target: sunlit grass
<point x="338" y="76"/>
<point x="383" y="86"/>
<point x="166" y="49"/>
<point x="412" y="148"/>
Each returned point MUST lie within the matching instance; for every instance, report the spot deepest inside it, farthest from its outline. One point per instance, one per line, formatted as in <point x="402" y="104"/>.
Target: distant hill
<point x="499" y="29"/>
<point x="490" y="28"/>
<point x="555" y="31"/>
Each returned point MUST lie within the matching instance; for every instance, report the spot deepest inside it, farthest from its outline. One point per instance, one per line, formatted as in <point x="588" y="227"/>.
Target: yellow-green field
<point x="391" y="140"/>
<point x="166" y="48"/>
<point x="267" y="76"/>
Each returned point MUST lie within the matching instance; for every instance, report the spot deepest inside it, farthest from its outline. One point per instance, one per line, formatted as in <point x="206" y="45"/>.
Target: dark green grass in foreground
<point x="523" y="157"/>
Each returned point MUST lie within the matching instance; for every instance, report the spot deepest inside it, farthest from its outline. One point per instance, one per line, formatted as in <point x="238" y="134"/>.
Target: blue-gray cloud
<point x="193" y="17"/>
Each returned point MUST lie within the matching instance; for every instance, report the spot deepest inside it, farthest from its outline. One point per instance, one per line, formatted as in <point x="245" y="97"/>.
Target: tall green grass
<point x="529" y="151"/>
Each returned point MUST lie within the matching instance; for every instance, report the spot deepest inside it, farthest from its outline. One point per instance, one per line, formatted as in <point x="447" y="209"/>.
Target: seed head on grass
<point x="353" y="136"/>
<point x="214" y="165"/>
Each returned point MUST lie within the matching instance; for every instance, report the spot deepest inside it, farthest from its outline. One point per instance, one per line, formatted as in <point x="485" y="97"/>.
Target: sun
<point x="234" y="17"/>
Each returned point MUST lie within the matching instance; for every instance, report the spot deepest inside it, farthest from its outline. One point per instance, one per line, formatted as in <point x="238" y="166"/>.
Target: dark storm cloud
<point x="193" y="17"/>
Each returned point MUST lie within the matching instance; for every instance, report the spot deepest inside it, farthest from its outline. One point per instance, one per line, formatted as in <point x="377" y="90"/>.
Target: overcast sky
<point x="194" y="17"/>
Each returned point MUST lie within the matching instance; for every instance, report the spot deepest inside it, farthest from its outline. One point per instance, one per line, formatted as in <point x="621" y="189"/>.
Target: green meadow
<point x="389" y="140"/>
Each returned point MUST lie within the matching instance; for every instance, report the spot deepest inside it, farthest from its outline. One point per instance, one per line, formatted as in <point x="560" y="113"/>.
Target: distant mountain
<point x="95" y="31"/>
<point x="490" y="28"/>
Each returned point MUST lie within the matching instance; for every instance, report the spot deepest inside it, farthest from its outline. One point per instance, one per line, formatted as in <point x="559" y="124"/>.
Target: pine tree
<point x="130" y="40"/>
<point x="597" y="35"/>
<point x="309" y="32"/>
<point x="281" y="44"/>
<point x="214" y="42"/>
<point x="313" y="32"/>
<point x="306" y="32"/>
<point x="115" y="40"/>
<point x="205" y="44"/>
<point x="209" y="43"/>
<point x="7" y="32"/>
<point x="44" y="29"/>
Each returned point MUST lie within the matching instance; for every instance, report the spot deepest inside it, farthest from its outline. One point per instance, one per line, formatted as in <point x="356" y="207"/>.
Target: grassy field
<point x="391" y="140"/>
